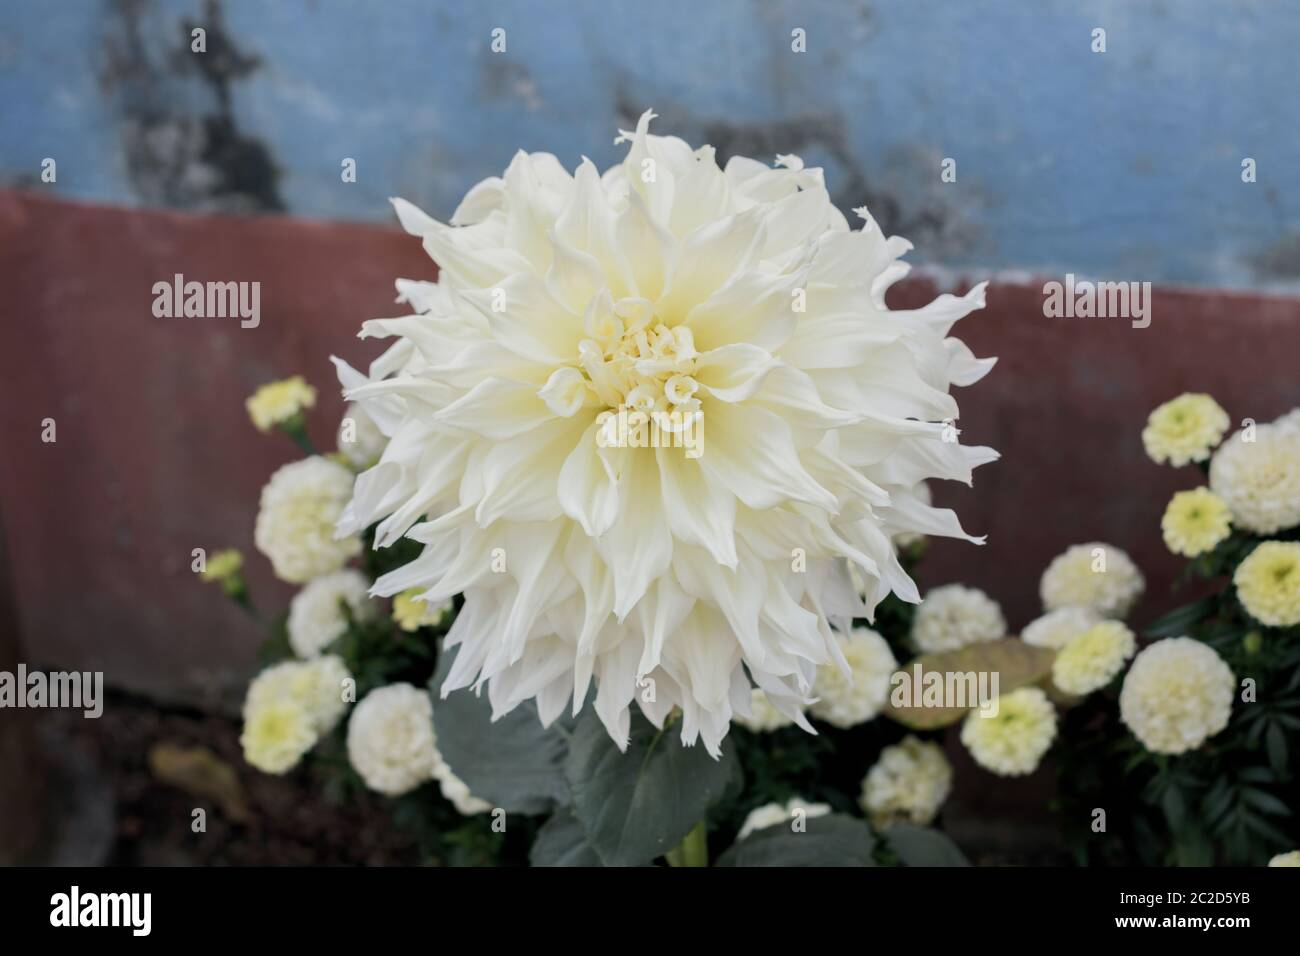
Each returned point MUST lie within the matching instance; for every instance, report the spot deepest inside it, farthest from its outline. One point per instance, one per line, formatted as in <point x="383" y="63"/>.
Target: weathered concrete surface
<point x="155" y="455"/>
<point x="1125" y="164"/>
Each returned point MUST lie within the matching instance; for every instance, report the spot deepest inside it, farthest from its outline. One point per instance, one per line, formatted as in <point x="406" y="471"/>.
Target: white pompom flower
<point x="316" y="617"/>
<point x="953" y="616"/>
<point x="794" y="812"/>
<point x="1056" y="628"/>
<point x="296" y="519"/>
<point x="908" y="784"/>
<point x="645" y="421"/>
<point x="762" y="716"/>
<point x="846" y="699"/>
<point x="1176" y="695"/>
<point x="391" y="741"/>
<point x="1290" y="858"/>
<point x="1259" y="479"/>
<point x="1096" y="576"/>
<point x="455" y="790"/>
<point x="1288" y="422"/>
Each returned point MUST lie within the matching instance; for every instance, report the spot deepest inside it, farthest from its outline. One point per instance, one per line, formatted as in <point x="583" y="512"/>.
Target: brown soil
<point x="289" y="820"/>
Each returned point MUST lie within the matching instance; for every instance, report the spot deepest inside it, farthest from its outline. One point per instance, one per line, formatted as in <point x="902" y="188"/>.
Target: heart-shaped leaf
<point x="514" y="763"/>
<point x="562" y="842"/>
<point x="638" y="805"/>
<point x="923" y="846"/>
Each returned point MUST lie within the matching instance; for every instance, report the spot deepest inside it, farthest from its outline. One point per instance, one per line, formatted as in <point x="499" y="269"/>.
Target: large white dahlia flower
<point x="795" y="415"/>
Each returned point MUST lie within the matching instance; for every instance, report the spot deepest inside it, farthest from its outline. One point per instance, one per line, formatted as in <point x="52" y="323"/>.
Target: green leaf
<point x="514" y="763"/>
<point x="1265" y="802"/>
<point x="1266" y="830"/>
<point x="1275" y="740"/>
<point x="1180" y="621"/>
<point x="834" y="840"/>
<point x="1016" y="663"/>
<point x="1192" y="848"/>
<point x="1175" y="808"/>
<point x="638" y="805"/>
<point x="923" y="846"/>
<point x="562" y="842"/>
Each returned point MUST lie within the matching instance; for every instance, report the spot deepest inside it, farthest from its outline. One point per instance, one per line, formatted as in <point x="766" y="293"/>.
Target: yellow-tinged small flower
<point x="322" y="687"/>
<point x="1195" y="522"/>
<point x="276" y="735"/>
<point x="1268" y="583"/>
<point x="1184" y="429"/>
<point x="1012" y="741"/>
<point x="1286" y="859"/>
<point x="411" y="613"/>
<point x="1091" y="660"/>
<point x="846" y="700"/>
<point x="222" y="566"/>
<point x="277" y="402"/>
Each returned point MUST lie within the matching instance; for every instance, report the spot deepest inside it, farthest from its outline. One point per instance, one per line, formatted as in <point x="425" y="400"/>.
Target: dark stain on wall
<point x="928" y="217"/>
<point x="180" y="137"/>
<point x="1278" y="260"/>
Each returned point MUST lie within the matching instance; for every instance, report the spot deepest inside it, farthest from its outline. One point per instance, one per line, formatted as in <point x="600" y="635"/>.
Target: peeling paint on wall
<point x="177" y="153"/>
<point x="1123" y="165"/>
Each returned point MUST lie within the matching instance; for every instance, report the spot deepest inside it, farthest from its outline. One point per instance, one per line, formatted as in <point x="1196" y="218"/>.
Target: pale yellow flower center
<point x="634" y="362"/>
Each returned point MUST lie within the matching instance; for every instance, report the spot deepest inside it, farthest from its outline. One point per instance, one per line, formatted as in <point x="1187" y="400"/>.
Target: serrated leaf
<point x="1016" y="663"/>
<point x="514" y="763"/>
<point x="923" y="846"/>
<point x="833" y="840"/>
<point x="638" y="805"/>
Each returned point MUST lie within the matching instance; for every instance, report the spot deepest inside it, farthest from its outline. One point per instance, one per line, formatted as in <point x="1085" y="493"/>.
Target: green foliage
<point x="639" y="804"/>
<point x="832" y="840"/>
<point x="562" y="842"/>
<point x="514" y="763"/>
<point x="660" y="800"/>
<point x="1229" y="801"/>
<point x="276" y="646"/>
<point x="922" y="846"/>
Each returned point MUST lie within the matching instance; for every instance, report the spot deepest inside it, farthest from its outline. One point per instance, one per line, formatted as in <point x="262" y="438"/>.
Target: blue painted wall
<point x="1125" y="164"/>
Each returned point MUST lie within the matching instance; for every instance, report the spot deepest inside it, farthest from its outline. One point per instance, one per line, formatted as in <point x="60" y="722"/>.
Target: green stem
<point x="693" y="850"/>
<point x="296" y="428"/>
<point x="239" y="594"/>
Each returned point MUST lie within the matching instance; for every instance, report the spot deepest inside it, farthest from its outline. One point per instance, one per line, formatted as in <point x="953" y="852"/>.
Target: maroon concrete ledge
<point x="155" y="455"/>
